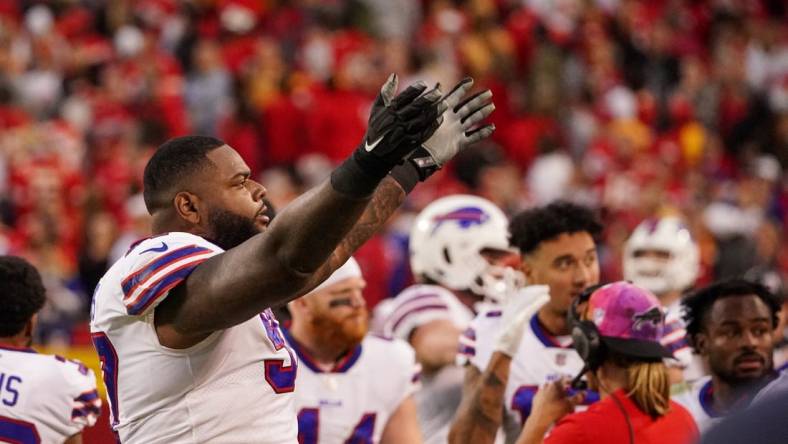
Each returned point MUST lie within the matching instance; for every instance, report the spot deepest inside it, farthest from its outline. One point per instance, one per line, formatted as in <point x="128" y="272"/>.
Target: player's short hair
<point x="174" y="162"/>
<point x="22" y="294"/>
<point x="472" y="161"/>
<point x="531" y="227"/>
<point x="697" y="305"/>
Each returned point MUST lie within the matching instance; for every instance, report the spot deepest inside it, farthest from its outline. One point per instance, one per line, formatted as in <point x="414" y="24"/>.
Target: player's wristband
<point x="350" y="179"/>
<point x="406" y="175"/>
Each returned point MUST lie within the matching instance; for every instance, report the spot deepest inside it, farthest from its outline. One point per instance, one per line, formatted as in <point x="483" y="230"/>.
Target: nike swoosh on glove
<point x="398" y="125"/>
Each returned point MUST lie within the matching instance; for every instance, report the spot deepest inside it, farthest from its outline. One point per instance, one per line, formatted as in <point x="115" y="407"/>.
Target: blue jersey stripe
<point x="160" y="287"/>
<point x="132" y="282"/>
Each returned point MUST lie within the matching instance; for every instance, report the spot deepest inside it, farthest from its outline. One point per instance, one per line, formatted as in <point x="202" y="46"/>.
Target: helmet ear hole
<point x="446" y="255"/>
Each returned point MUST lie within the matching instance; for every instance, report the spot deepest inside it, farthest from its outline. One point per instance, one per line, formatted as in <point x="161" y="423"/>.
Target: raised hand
<point x="517" y="310"/>
<point x="456" y="131"/>
<point x="398" y="124"/>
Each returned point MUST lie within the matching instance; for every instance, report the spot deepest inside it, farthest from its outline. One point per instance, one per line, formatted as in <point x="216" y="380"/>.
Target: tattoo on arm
<point x="385" y="201"/>
<point x="481" y="412"/>
<point x="487" y="401"/>
<point x="387" y="198"/>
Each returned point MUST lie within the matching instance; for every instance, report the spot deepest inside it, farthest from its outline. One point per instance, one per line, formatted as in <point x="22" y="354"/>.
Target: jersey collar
<point x="706" y="398"/>
<point x="342" y="365"/>
<point x="547" y="339"/>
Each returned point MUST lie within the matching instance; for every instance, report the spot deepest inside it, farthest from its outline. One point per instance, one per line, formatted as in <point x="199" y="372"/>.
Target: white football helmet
<point x="446" y="241"/>
<point x="667" y="234"/>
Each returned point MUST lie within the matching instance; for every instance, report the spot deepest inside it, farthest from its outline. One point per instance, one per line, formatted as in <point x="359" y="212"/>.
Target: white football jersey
<point x="418" y="305"/>
<point x="540" y="358"/>
<point x="233" y="387"/>
<point x="675" y="339"/>
<point x="697" y="398"/>
<point x="353" y="401"/>
<point x="440" y="393"/>
<point x="44" y="398"/>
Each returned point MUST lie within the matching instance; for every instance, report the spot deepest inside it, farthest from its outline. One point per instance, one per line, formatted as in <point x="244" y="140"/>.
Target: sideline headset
<point x="585" y="336"/>
<point x="587" y="341"/>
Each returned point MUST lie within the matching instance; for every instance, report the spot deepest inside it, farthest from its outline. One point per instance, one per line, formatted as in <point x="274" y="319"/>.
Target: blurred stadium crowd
<point x="632" y="107"/>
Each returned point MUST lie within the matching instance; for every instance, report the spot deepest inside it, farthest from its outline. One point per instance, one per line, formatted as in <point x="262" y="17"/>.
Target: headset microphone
<point x="578" y="383"/>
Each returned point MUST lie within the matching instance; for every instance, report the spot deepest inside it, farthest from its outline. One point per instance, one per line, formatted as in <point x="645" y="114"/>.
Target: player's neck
<point x="18" y="341"/>
<point x="467" y="298"/>
<point x="667" y="299"/>
<point x="325" y="353"/>
<point x="166" y="222"/>
<point x="727" y="396"/>
<point x="553" y="322"/>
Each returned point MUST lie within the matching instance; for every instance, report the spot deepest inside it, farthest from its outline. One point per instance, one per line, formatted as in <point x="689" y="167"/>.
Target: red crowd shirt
<point x="604" y="422"/>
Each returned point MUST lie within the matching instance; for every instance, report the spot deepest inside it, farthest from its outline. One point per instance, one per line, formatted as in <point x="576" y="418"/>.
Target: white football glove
<point x="517" y="310"/>
<point x="456" y="131"/>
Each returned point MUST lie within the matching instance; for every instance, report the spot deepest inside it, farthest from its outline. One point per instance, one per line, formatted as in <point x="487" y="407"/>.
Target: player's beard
<point x="229" y="229"/>
<point x="341" y="335"/>
<point x="731" y="377"/>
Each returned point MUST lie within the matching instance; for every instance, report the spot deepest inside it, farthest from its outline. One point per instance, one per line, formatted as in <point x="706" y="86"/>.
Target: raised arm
<point x="316" y="233"/>
<point x="387" y="198"/>
<point x="481" y="410"/>
<point x="458" y="129"/>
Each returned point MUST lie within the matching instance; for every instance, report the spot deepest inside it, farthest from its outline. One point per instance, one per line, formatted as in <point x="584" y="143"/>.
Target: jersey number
<point x="16" y="431"/>
<point x="524" y="397"/>
<point x="109" y="368"/>
<point x="280" y="377"/>
<point x="308" y="420"/>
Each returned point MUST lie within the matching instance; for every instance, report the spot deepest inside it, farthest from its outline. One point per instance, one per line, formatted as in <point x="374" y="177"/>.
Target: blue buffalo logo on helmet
<point x="464" y="217"/>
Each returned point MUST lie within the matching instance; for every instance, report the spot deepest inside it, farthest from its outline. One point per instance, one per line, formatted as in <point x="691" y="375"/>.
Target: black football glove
<point x="398" y="125"/>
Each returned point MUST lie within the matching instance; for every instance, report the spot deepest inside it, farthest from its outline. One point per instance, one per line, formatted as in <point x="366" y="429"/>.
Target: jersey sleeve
<point x="408" y="374"/>
<point x="80" y="382"/>
<point x="675" y="339"/>
<point x="476" y="342"/>
<point x="414" y="307"/>
<point x="158" y="264"/>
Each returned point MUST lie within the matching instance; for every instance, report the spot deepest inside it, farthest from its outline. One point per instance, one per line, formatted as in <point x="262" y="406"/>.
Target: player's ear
<point x="187" y="206"/>
<point x="30" y="327"/>
<point x="297" y="305"/>
<point x="526" y="268"/>
<point x="701" y="342"/>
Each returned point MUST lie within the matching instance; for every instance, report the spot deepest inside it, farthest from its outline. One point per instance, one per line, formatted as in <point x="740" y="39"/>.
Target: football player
<point x="43" y="398"/>
<point x="514" y="349"/>
<point x="730" y="324"/>
<point x="190" y="350"/>
<point x="458" y="250"/>
<point x="662" y="257"/>
<point x="352" y="386"/>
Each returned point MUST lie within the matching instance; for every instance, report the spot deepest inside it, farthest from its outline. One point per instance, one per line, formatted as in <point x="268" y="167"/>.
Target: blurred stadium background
<point x="637" y="108"/>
